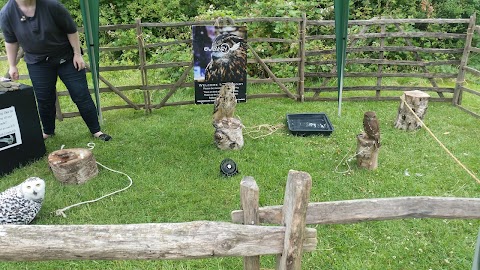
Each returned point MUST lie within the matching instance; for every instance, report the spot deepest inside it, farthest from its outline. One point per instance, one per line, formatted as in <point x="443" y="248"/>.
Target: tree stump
<point x="367" y="152"/>
<point x="73" y="166"/>
<point x="228" y="134"/>
<point x="418" y="101"/>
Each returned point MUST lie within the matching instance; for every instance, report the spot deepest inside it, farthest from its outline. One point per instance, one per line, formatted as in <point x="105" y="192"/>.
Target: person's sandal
<point x="46" y="136"/>
<point x="104" y="137"/>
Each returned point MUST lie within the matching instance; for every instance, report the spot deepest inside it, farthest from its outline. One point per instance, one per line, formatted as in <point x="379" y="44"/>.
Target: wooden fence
<point x="209" y="239"/>
<point x="392" y="41"/>
<point x="172" y="241"/>
<point x="350" y="211"/>
<point x="379" y="49"/>
<point x="460" y="86"/>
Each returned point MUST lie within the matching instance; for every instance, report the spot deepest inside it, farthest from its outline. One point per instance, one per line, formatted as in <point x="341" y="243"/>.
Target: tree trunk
<point x="228" y="134"/>
<point x="73" y="166"/>
<point x="418" y="101"/>
<point x="367" y="152"/>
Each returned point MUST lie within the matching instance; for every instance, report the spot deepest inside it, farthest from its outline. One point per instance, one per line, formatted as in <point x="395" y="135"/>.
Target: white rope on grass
<point x="348" y="160"/>
<point x="439" y="142"/>
<point x="61" y="212"/>
<point x="258" y="129"/>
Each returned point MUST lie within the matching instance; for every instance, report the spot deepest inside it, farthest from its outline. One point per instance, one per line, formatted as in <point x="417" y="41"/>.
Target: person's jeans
<point x="44" y="79"/>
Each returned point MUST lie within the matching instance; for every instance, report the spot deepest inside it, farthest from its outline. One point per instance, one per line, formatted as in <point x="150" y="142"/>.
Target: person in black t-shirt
<point x="49" y="37"/>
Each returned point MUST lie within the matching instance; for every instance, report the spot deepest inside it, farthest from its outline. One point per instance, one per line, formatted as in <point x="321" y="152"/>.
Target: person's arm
<point x="77" y="53"/>
<point x="12" y="50"/>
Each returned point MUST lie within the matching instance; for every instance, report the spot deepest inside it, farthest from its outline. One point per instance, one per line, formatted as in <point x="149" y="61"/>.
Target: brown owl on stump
<point x="372" y="127"/>
<point x="229" y="59"/>
<point x="225" y="102"/>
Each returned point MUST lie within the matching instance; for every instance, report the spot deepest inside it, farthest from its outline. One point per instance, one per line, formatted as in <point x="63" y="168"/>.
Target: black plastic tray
<point x="304" y="124"/>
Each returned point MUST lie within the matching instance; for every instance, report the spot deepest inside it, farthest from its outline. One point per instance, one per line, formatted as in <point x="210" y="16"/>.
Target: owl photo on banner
<point x="220" y="56"/>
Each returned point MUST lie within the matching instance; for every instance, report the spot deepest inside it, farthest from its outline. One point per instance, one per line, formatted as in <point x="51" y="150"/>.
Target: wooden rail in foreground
<point x="190" y="240"/>
<point x="350" y="211"/>
<point x="209" y="239"/>
<point x="173" y="241"/>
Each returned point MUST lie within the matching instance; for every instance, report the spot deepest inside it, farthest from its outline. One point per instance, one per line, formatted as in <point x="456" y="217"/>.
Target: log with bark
<point x="418" y="101"/>
<point x="228" y="134"/>
<point x="367" y="152"/>
<point x="73" y="166"/>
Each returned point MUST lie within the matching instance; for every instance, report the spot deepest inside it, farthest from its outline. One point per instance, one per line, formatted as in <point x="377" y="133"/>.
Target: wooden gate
<point x="150" y="64"/>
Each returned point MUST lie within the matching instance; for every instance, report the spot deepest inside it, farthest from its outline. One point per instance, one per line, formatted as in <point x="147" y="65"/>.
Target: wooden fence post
<point x="457" y="94"/>
<point x="381" y="56"/>
<point x="143" y="62"/>
<point x="249" y="197"/>
<point x="301" y="65"/>
<point x="294" y="215"/>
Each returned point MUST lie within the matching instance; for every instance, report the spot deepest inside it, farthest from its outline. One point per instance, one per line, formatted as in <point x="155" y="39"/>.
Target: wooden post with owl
<point x="418" y="101"/>
<point x="368" y="142"/>
<point x="73" y="166"/>
<point x="228" y="129"/>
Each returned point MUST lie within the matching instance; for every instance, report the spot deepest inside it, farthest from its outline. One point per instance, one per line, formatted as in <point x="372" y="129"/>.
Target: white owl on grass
<point x="20" y="204"/>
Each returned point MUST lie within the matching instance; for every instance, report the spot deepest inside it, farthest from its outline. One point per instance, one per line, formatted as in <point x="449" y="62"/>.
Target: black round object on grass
<point x="228" y="167"/>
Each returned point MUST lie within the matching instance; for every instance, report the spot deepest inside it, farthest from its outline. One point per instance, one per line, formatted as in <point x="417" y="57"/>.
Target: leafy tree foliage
<point x="126" y="12"/>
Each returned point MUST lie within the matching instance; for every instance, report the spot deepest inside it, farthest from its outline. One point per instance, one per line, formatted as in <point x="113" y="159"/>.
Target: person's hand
<point x="78" y="62"/>
<point x="13" y="72"/>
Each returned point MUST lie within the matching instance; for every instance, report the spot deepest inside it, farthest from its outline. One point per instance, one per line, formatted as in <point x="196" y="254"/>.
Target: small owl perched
<point x="372" y="127"/>
<point x="225" y="102"/>
<point x="20" y="204"/>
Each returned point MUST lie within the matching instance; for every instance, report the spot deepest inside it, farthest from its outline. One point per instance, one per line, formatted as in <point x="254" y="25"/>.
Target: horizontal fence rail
<point x="379" y="51"/>
<point x="174" y="241"/>
<point x="350" y="211"/>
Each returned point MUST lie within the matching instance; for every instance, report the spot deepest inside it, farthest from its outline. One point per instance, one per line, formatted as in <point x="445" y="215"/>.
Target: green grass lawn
<point x="175" y="168"/>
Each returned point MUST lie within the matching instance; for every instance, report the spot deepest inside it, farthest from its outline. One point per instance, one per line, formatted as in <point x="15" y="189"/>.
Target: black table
<point x="21" y="140"/>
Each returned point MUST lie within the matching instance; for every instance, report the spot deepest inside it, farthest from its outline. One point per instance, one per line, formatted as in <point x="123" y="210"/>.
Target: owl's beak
<point x="35" y="193"/>
<point x="215" y="56"/>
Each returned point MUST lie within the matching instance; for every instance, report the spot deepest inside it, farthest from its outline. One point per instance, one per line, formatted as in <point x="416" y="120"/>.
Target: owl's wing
<point x="9" y="192"/>
<point x="231" y="102"/>
<point x="216" y="104"/>
<point x="17" y="210"/>
<point x="8" y="204"/>
<point x="217" y="112"/>
<point x="234" y="98"/>
<point x="366" y="125"/>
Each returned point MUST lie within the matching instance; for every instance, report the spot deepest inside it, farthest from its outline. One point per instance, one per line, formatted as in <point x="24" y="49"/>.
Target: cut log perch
<point x="367" y="152"/>
<point x="418" y="101"/>
<point x="73" y="166"/>
<point x="228" y="134"/>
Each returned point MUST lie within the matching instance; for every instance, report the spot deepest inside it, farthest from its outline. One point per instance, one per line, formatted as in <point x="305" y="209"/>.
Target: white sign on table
<point x="9" y="129"/>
